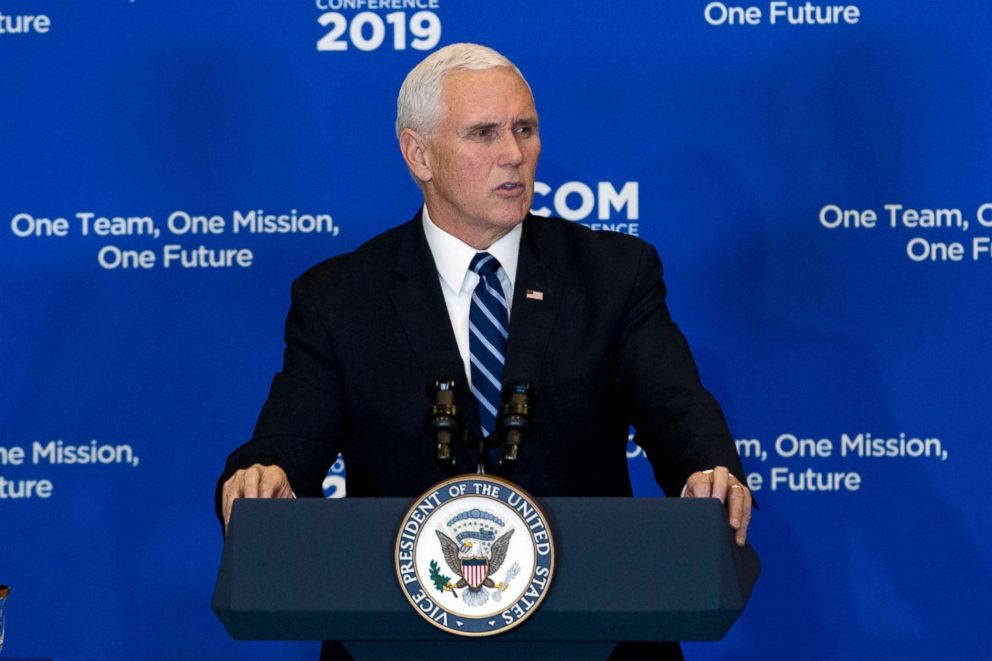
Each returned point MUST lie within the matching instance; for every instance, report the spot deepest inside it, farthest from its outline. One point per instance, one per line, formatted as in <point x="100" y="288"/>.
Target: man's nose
<point x="511" y="150"/>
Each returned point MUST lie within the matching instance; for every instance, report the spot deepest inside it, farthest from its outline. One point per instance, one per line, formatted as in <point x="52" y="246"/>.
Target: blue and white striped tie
<point x="488" y="322"/>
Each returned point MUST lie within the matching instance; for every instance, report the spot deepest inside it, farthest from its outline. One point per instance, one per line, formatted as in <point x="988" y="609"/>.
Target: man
<point x="476" y="290"/>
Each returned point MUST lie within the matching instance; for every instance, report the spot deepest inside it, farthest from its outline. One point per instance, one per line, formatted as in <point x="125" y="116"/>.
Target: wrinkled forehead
<point x="495" y="94"/>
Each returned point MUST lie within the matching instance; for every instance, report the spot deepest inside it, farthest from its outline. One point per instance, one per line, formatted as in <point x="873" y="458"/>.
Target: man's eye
<point x="482" y="134"/>
<point x="525" y="131"/>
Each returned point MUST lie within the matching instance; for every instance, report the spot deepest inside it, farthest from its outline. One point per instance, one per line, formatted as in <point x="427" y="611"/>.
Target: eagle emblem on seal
<point x="474" y="548"/>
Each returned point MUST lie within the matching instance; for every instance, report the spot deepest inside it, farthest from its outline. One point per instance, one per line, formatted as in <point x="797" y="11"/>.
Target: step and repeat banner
<point x="817" y="178"/>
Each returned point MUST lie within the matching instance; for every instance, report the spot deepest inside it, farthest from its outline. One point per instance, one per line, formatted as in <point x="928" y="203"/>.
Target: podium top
<point x="628" y="569"/>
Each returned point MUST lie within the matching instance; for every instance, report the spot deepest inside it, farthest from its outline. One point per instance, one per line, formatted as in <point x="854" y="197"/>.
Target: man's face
<point x="484" y="155"/>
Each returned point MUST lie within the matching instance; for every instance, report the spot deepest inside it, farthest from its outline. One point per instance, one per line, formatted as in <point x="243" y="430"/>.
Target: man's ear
<point x="415" y="153"/>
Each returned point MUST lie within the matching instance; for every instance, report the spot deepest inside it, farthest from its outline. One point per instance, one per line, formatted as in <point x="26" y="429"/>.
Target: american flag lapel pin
<point x="535" y="295"/>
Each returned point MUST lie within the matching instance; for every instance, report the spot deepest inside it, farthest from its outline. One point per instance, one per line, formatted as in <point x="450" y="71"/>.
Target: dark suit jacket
<point x="368" y="332"/>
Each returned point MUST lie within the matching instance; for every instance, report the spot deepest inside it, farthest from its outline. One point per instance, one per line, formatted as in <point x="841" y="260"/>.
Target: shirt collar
<point x="453" y="256"/>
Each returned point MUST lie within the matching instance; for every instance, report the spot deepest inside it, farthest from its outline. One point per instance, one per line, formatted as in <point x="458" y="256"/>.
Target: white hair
<point x="418" y="106"/>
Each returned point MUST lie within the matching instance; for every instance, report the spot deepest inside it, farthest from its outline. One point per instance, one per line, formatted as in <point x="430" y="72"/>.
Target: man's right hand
<point x="257" y="481"/>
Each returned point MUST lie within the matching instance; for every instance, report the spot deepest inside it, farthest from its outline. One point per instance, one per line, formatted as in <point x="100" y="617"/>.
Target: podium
<point x="627" y="569"/>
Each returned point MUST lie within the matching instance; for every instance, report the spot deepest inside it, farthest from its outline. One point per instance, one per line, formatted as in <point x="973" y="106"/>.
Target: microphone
<point x="444" y="424"/>
<point x="514" y="423"/>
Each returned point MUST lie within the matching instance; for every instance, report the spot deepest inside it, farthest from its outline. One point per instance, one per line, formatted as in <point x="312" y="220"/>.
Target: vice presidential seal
<point x="474" y="555"/>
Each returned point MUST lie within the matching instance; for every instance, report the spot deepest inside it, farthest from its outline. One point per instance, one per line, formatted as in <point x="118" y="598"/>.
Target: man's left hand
<point x="720" y="484"/>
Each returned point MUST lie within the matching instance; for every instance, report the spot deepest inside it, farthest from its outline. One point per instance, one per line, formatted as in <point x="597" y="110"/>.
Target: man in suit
<point x="578" y="315"/>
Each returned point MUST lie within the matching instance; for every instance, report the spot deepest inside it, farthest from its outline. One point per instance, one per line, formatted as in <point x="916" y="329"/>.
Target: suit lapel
<point x="416" y="295"/>
<point x="537" y="297"/>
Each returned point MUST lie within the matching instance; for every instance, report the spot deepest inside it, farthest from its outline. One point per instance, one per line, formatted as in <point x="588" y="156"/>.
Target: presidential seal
<point x="474" y="555"/>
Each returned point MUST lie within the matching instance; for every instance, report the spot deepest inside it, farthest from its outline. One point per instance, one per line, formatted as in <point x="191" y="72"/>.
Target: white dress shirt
<point x="452" y="257"/>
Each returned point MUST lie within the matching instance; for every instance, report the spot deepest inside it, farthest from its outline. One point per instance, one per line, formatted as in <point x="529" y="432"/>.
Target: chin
<point x="510" y="221"/>
<point x="511" y="217"/>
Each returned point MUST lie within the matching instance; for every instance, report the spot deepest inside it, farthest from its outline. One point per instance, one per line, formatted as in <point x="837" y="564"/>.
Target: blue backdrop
<point x="817" y="192"/>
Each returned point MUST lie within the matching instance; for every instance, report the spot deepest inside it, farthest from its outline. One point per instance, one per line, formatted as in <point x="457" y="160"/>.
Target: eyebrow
<point x="482" y="125"/>
<point x="526" y="121"/>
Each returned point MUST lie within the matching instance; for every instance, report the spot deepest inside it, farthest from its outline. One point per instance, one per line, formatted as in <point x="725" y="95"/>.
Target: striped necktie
<point x="488" y="322"/>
